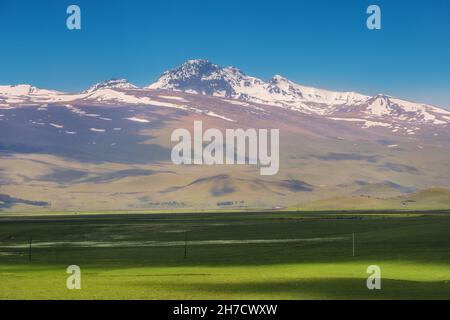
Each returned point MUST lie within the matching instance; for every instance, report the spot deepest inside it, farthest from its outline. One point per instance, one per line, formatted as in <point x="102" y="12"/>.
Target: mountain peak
<point x="111" y="84"/>
<point x="203" y="77"/>
<point x="198" y="76"/>
<point x="197" y="62"/>
<point x="382" y="96"/>
<point x="193" y="69"/>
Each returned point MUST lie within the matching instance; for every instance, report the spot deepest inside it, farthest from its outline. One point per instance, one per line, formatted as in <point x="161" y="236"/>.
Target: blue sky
<point x="321" y="43"/>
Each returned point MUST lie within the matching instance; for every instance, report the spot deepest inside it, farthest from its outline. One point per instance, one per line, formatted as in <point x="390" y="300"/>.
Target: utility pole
<point x="353" y="244"/>
<point x="29" y="250"/>
<point x="185" y="245"/>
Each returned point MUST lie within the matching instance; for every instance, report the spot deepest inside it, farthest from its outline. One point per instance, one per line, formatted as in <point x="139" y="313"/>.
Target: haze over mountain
<point x="108" y="147"/>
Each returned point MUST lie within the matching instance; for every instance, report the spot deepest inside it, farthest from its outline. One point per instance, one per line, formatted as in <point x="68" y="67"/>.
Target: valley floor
<point x="279" y="255"/>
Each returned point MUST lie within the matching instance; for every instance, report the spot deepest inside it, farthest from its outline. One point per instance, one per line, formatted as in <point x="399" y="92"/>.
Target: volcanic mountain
<point x="203" y="77"/>
<point x="108" y="147"/>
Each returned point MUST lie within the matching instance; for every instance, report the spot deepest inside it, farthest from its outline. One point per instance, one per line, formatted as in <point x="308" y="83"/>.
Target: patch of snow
<point x="436" y="121"/>
<point x="236" y="102"/>
<point x="38" y="123"/>
<point x="367" y="123"/>
<point x="213" y="114"/>
<point x="136" y="119"/>
<point x="59" y="126"/>
<point x="173" y="98"/>
<point x="348" y="119"/>
<point x="81" y="112"/>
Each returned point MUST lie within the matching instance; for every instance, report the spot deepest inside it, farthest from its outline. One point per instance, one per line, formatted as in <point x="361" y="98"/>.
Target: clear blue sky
<point x="322" y="43"/>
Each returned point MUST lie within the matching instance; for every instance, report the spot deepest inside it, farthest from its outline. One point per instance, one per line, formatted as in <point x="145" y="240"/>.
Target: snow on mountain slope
<point x="310" y="94"/>
<point x="108" y="95"/>
<point x="110" y="91"/>
<point x="234" y="87"/>
<point x="383" y="106"/>
<point x="203" y="77"/>
<point x="23" y="93"/>
<point x="24" y="90"/>
<point x="111" y="84"/>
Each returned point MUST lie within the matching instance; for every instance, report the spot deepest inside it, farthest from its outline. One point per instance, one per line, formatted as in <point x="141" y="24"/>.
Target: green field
<point x="279" y="255"/>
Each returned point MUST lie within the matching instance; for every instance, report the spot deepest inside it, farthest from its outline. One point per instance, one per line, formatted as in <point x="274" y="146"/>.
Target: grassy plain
<point x="266" y="255"/>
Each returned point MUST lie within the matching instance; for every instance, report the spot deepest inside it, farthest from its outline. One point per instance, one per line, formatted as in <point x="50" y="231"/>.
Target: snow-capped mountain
<point x="24" y="93"/>
<point x="24" y="90"/>
<point x="203" y="78"/>
<point x="385" y="106"/>
<point x="111" y="84"/>
<point x="109" y="91"/>
<point x="314" y="95"/>
<point x="339" y="143"/>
